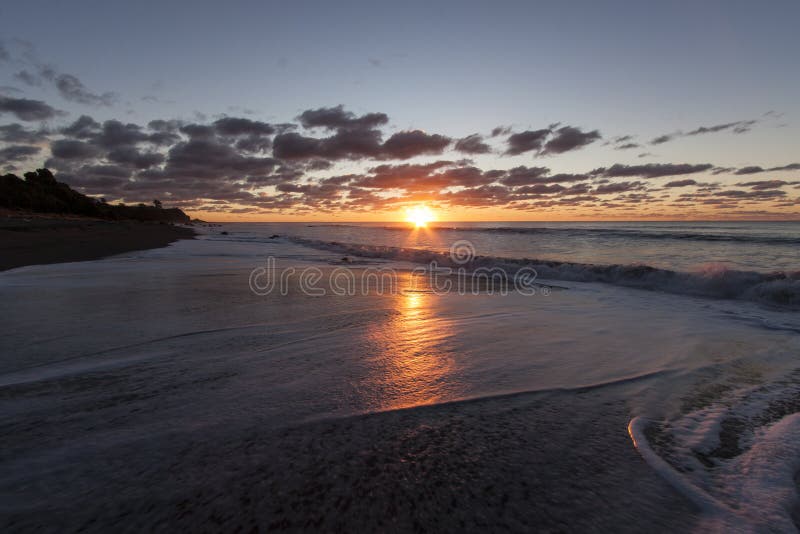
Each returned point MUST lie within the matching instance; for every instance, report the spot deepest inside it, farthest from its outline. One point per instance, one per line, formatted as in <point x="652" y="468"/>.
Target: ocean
<point x="692" y="326"/>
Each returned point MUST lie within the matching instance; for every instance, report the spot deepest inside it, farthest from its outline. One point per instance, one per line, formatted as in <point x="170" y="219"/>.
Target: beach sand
<point x="547" y="462"/>
<point x="35" y="240"/>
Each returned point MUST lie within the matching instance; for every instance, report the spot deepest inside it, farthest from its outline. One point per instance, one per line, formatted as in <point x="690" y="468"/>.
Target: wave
<point x="660" y="234"/>
<point x="735" y="455"/>
<point x="779" y="289"/>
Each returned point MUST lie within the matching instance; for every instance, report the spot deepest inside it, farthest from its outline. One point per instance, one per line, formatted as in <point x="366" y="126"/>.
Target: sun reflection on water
<point x="413" y="365"/>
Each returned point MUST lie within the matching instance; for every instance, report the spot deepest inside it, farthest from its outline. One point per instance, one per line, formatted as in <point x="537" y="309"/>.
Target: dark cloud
<point x="71" y="88"/>
<point x="167" y="126"/>
<point x="789" y="167"/>
<point x="472" y="144"/>
<point x="292" y="145"/>
<point x="115" y="134"/>
<point x="754" y="169"/>
<point x="131" y="156"/>
<point x="69" y="149"/>
<point x="27" y="110"/>
<point x="526" y="176"/>
<point x="626" y="146"/>
<point x="18" y="152"/>
<point x="617" y="187"/>
<point x="501" y="130"/>
<point x="16" y="133"/>
<point x="764" y="184"/>
<point x="522" y="142"/>
<point x="235" y="126"/>
<point x="737" y="127"/>
<point x="358" y="143"/>
<point x="739" y="194"/>
<point x="337" y="118"/>
<point x="681" y="183"/>
<point x="404" y="145"/>
<point x="651" y="170"/>
<point x="569" y="138"/>
<point x="662" y="139"/>
<point x="84" y="127"/>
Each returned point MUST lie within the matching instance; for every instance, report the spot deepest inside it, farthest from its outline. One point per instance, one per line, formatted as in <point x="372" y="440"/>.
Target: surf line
<point x="707" y="504"/>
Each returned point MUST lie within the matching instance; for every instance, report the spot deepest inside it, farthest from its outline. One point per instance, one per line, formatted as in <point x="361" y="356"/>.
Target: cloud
<point x="16" y="133"/>
<point x="234" y="163"/>
<point x="357" y="144"/>
<point x="789" y="167"/>
<point x="4" y="55"/>
<point x="663" y="139"/>
<point x="569" y="138"/>
<point x="755" y="169"/>
<point x="69" y="86"/>
<point x="749" y="170"/>
<point x="522" y="142"/>
<point x="680" y="183"/>
<point x="72" y="149"/>
<point x="626" y="146"/>
<point x="131" y="156"/>
<point x="501" y="130"/>
<point x="28" y="110"/>
<point x="404" y="145"/>
<point x="336" y="118"/>
<point x="69" y="149"/>
<point x="18" y="152"/>
<point x="764" y="184"/>
<point x="423" y="177"/>
<point x="84" y="127"/>
<point x="618" y="187"/>
<point x="651" y="170"/>
<point x="235" y="126"/>
<point x="737" y="127"/>
<point x="765" y="194"/>
<point x="526" y="176"/>
<point x="472" y="144"/>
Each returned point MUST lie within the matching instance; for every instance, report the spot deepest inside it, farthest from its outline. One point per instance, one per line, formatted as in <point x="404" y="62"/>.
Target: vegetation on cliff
<point x="40" y="192"/>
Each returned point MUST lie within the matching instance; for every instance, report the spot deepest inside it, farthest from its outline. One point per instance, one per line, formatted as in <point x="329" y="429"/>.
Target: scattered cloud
<point x="569" y="138"/>
<point x="651" y="170"/>
<point x="737" y="127"/>
<point x="18" y="152"/>
<point x="28" y="110"/>
<point x="522" y="142"/>
<point x="472" y="144"/>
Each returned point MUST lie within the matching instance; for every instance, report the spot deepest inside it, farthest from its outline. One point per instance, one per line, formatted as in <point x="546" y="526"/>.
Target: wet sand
<point x="546" y="462"/>
<point x="42" y="240"/>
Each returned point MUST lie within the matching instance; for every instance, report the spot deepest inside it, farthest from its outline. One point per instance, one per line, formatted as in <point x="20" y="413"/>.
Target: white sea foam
<point x="736" y="458"/>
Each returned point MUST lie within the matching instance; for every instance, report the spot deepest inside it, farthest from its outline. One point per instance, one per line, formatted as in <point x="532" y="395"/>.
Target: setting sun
<point x="419" y="216"/>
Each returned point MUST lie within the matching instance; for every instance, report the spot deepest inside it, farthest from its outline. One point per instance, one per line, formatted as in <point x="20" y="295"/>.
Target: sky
<point x="358" y="111"/>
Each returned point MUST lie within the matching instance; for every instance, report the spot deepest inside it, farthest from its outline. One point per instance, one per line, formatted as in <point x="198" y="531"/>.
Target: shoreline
<point x="34" y="239"/>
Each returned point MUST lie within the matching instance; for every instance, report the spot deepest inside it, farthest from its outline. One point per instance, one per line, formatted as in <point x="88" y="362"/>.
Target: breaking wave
<point x="660" y="234"/>
<point x="779" y="289"/>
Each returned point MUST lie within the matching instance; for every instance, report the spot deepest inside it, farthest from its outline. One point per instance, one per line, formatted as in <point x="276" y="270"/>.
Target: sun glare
<point x="419" y="216"/>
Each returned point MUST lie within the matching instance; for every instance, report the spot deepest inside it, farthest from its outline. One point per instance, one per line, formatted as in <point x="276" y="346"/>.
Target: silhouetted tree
<point x="41" y="192"/>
